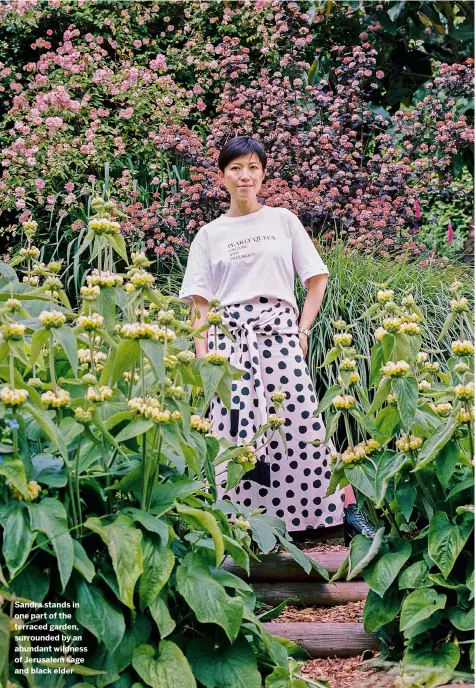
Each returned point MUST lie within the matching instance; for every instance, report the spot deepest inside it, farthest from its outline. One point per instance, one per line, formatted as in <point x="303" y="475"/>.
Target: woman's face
<point x="243" y="177"/>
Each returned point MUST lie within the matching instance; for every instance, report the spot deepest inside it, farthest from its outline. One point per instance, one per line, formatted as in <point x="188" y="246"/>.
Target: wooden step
<point x="309" y="594"/>
<point x="326" y="639"/>
<point x="282" y="567"/>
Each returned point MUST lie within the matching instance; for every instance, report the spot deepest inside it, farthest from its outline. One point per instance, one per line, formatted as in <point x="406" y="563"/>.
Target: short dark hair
<point x="238" y="146"/>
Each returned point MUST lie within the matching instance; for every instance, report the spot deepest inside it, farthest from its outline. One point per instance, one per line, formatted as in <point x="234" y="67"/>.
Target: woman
<point x="247" y="259"/>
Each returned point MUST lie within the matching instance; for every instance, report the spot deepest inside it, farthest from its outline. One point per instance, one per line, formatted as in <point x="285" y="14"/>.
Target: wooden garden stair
<point x="277" y="577"/>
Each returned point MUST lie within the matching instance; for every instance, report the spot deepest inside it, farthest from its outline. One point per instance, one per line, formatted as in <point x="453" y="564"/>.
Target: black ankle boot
<point x="356" y="522"/>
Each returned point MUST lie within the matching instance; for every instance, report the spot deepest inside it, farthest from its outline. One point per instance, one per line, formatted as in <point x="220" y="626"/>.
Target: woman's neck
<point x="239" y="208"/>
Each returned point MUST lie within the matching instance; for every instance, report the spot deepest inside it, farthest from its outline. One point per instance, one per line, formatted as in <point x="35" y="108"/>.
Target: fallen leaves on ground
<point x="342" y="613"/>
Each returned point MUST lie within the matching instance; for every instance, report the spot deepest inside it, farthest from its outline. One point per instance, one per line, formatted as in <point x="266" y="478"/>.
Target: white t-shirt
<point x="234" y="259"/>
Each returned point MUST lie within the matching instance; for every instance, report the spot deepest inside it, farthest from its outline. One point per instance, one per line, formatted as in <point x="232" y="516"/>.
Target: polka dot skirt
<point x="267" y="347"/>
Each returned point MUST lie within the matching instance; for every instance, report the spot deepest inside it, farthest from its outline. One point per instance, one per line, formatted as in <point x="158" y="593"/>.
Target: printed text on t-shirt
<point x="235" y="248"/>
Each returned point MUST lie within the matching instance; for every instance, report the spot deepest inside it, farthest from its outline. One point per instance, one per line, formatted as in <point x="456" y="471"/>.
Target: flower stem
<point x="52" y="363"/>
<point x="348" y="430"/>
<point x="76" y="475"/>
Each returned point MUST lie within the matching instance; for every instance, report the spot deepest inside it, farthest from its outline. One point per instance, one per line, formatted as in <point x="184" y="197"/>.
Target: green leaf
<point x="362" y="551"/>
<point x="17" y="538"/>
<point x="386" y="421"/>
<point x="38" y="340"/>
<point x="154" y="351"/>
<point x="158" y="562"/>
<point x="49" y="428"/>
<point x="66" y="338"/>
<point x="446" y="540"/>
<point x="462" y="619"/>
<point x="169" y="670"/>
<point x="50" y="518"/>
<point x="414" y="577"/>
<point x="134" y="429"/>
<point x="332" y="424"/>
<point x="406" y="390"/>
<point x="211" y="376"/>
<point x="381" y="572"/>
<point x="151" y="523"/>
<point x="435" y="443"/>
<point x="209" y="523"/>
<point x="389" y="465"/>
<point x="82" y="562"/>
<point x="302" y="558"/>
<point x="376" y="362"/>
<point x="362" y="476"/>
<point x="232" y="666"/>
<point x="123" y="541"/>
<point x="331" y="356"/>
<point x="446" y="461"/>
<point x="14" y="471"/>
<point x="380" y="395"/>
<point x="281" y="678"/>
<point x="405" y="494"/>
<point x="237" y="553"/>
<point x="262" y="534"/>
<point x="234" y="472"/>
<point x="208" y="598"/>
<point x="96" y="613"/>
<point x="419" y="605"/>
<point x="106" y="305"/>
<point x="161" y="615"/>
<point x="127" y="355"/>
<point x="326" y="400"/>
<point x="379" y="611"/>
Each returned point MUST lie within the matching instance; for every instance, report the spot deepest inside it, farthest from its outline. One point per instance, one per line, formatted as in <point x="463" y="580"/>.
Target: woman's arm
<point x="199" y="317"/>
<point x="315" y="293"/>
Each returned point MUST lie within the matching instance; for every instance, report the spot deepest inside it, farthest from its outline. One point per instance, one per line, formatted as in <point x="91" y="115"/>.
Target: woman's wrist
<point x="303" y="330"/>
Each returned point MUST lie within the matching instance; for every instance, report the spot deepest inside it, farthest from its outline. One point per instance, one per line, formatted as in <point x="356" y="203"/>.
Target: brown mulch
<point x="342" y="613"/>
<point x="322" y="546"/>
<point x="351" y="672"/>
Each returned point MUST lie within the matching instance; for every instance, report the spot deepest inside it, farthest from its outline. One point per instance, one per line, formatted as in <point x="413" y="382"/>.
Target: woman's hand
<point x="303" y="343"/>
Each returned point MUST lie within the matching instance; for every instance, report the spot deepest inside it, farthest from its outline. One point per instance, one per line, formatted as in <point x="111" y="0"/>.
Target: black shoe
<point x="356" y="522"/>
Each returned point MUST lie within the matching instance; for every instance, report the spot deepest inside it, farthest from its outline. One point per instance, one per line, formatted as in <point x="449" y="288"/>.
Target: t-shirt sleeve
<point x="306" y="259"/>
<point x="197" y="280"/>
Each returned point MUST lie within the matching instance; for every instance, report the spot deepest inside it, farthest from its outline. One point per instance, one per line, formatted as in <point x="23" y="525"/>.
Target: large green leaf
<point x="405" y="494"/>
<point x="406" y="390"/>
<point x="154" y="351"/>
<point x="211" y="376"/>
<point x="380" y="395"/>
<point x="382" y="571"/>
<point x="389" y="465"/>
<point x="169" y="670"/>
<point x="446" y="540"/>
<point x="126" y="356"/>
<point x="100" y="616"/>
<point x="118" y="243"/>
<point x="158" y="562"/>
<point x="161" y="615"/>
<point x="444" y="657"/>
<point x="362" y="551"/>
<point x="446" y="461"/>
<point x="379" y="611"/>
<point x="50" y="518"/>
<point x="49" y="428"/>
<point x="414" y="577"/>
<point x="66" y="338"/>
<point x="462" y="619"/>
<point x="207" y="521"/>
<point x="38" y="340"/>
<point x="263" y="534"/>
<point x="326" y="400"/>
<point x="208" y="598"/>
<point x="14" y="471"/>
<point x="17" y="538"/>
<point x="435" y="443"/>
<point x="419" y="605"/>
<point x="123" y="541"/>
<point x="82" y="562"/>
<point x="151" y="523"/>
<point x="362" y="476"/>
<point x="134" y="429"/>
<point x="233" y="666"/>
